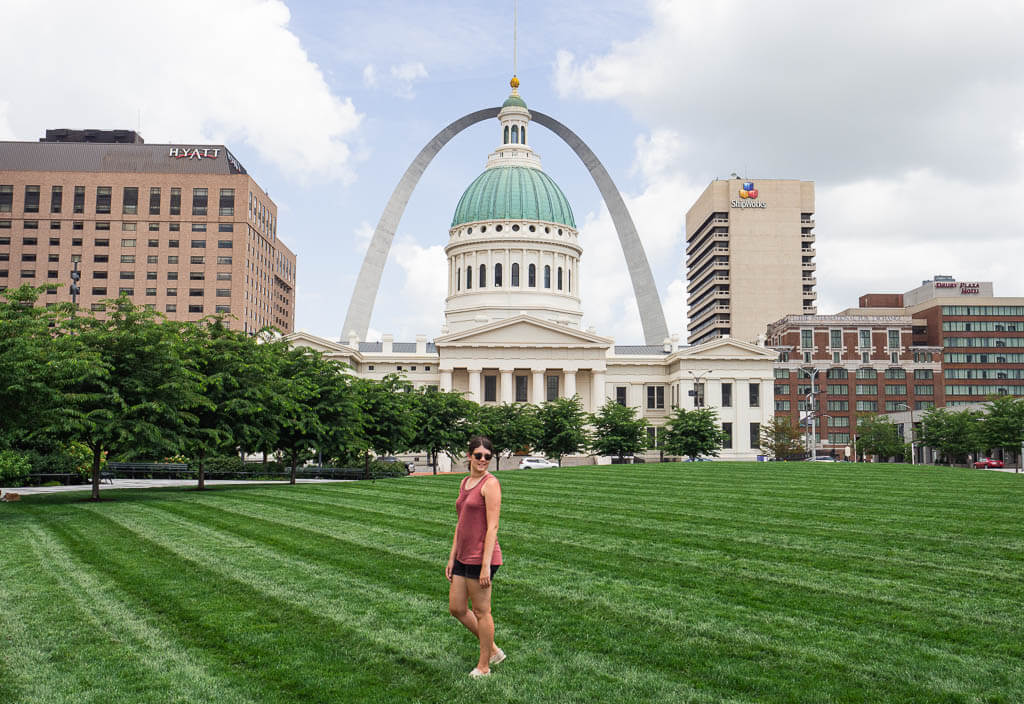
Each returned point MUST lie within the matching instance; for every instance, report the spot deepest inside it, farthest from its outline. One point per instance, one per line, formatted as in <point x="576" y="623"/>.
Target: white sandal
<point x="497" y="657"/>
<point x="475" y="673"/>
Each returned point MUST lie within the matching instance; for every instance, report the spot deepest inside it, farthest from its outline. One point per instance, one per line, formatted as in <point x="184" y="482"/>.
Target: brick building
<point x="833" y="367"/>
<point x="182" y="229"/>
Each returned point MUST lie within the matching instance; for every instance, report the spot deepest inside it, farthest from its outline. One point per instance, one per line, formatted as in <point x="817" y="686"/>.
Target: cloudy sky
<point x="908" y="116"/>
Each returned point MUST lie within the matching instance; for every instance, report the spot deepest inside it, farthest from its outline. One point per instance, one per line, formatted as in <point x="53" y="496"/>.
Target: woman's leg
<point x="481" y="598"/>
<point x="458" y="603"/>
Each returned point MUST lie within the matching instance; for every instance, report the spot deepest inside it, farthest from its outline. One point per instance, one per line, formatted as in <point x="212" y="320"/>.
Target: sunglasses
<point x="481" y="456"/>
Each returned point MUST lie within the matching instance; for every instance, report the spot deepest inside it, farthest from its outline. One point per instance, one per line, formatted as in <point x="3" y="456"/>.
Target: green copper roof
<point x="514" y="100"/>
<point x="513" y="193"/>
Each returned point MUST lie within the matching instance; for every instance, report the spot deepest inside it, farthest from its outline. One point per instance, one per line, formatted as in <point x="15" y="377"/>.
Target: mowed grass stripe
<point x="284" y="653"/>
<point x="443" y="645"/>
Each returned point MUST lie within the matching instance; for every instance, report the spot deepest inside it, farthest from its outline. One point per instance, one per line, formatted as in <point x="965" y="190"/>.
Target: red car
<point x="987" y="463"/>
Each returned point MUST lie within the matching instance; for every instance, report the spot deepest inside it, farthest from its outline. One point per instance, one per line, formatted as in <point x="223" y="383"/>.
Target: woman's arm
<point x="491" y="492"/>
<point x="451" y="554"/>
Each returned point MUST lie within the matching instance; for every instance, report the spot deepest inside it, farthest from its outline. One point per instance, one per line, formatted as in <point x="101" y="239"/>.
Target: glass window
<point x="227" y="201"/>
<point x="490" y="388"/>
<point x="224" y="244"/>
<point x="223" y="276"/>
<point x="225" y="227"/>
<point x="521" y="387"/>
<point x="865" y="338"/>
<point x="31" y="199"/>
<point x="224" y="293"/>
<point x="127" y="242"/>
<point x="867" y="373"/>
<point x="195" y="308"/>
<point x="867" y="389"/>
<point x="469" y="277"/>
<point x="726" y="394"/>
<point x="130" y="200"/>
<point x="175" y="201"/>
<point x="806" y="339"/>
<point x="835" y="338"/>
<point x="894" y="339"/>
<point x="483" y="276"/>
<point x="547" y="276"/>
<point x="154" y="201"/>
<point x="755" y="436"/>
<point x="620" y="395"/>
<point x="223" y="260"/>
<point x="197" y="259"/>
<point x="755" y="394"/>
<point x="558" y="283"/>
<point x="531" y="276"/>
<point x="127" y="258"/>
<point x="6" y="198"/>
<point x="56" y="198"/>
<point x="515" y="275"/>
<point x="781" y="373"/>
<point x="199" y="201"/>
<point x="172" y="276"/>
<point x="79" y="205"/>
<point x="198" y="244"/>
<point x="196" y="276"/>
<point x="199" y="227"/>
<point x="552" y="388"/>
<point x="103" y="199"/>
<point x="727" y="440"/>
<point x="655" y="397"/>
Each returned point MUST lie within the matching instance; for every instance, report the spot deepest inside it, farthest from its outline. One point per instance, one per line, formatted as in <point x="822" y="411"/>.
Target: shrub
<point x="14" y="468"/>
<point x="221" y="465"/>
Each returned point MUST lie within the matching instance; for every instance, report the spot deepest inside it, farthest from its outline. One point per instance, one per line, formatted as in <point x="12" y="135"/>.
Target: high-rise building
<point x="750" y="257"/>
<point x="182" y="229"/>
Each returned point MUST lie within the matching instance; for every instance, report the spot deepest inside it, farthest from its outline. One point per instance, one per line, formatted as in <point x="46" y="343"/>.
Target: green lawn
<point x="706" y="582"/>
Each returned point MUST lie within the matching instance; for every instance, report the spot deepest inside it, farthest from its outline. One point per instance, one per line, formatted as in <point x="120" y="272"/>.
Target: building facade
<point x="749" y="257"/>
<point x="182" y="229"/>
<point x="981" y="336"/>
<point x="512" y="334"/>
<point x="833" y="368"/>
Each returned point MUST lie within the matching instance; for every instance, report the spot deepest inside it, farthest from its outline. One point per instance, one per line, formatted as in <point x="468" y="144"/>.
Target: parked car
<point x="823" y="458"/>
<point x="698" y="459"/>
<point x="409" y="466"/>
<point x="988" y="463"/>
<point x="536" y="463"/>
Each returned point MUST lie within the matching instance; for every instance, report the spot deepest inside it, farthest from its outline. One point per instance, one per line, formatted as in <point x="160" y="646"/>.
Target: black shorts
<point x="470" y="571"/>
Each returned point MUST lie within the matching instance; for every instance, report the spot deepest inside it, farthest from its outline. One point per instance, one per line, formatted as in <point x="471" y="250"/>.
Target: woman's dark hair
<point x="480" y="441"/>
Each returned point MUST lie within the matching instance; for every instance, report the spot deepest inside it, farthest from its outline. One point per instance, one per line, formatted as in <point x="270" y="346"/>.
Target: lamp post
<point x="912" y="453"/>
<point x="812" y="444"/>
<point x="698" y="379"/>
<point x="76" y="275"/>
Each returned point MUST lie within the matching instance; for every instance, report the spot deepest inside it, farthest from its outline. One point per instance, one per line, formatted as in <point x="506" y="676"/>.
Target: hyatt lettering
<point x="194" y="153"/>
<point x="747" y="204"/>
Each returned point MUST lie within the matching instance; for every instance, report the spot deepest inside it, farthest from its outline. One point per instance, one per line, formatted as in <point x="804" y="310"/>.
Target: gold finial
<point x="514" y="83"/>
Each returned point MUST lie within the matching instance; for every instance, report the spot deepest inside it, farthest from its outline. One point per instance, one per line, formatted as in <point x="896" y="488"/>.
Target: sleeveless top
<point x="471" y="510"/>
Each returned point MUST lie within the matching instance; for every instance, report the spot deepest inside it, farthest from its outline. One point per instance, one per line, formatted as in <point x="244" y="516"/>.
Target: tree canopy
<point x="693" y="433"/>
<point x="617" y="430"/>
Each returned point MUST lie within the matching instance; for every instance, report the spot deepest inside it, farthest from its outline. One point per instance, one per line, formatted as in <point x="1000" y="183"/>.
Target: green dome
<point x="513" y="193"/>
<point x="514" y="100"/>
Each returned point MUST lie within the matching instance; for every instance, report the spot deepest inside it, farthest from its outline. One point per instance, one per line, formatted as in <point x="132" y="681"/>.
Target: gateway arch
<point x="652" y="317"/>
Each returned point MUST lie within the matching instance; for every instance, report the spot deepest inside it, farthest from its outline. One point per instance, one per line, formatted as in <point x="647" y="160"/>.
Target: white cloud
<point x="226" y="71"/>
<point x="370" y="76"/>
<point x="405" y="75"/>
<point x="423" y="289"/>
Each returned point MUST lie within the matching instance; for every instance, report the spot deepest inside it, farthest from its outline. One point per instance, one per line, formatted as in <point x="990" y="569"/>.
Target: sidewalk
<point x="156" y="483"/>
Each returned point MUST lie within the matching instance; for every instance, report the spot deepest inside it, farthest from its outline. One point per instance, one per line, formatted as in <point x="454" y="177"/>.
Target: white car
<point x="823" y="458"/>
<point x="536" y="463"/>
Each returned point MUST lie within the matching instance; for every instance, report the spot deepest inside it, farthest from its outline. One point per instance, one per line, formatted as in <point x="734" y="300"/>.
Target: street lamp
<point x="912" y="452"/>
<point x="698" y="379"/>
<point x="812" y="441"/>
<point x="75" y="276"/>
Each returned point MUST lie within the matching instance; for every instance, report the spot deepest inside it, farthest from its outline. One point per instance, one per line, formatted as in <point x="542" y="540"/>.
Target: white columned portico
<point x="446" y="380"/>
<point x="474" y="385"/>
<point x="596" y="390"/>
<point x="538" y="386"/>
<point x="570" y="382"/>
<point x="506" y="386"/>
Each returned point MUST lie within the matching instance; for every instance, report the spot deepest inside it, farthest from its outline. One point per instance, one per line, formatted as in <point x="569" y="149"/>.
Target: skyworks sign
<point x="748" y="197"/>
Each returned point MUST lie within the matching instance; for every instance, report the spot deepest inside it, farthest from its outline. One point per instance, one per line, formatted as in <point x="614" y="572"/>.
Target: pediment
<point x="523" y="331"/>
<point x="726" y="348"/>
<point x="320" y="344"/>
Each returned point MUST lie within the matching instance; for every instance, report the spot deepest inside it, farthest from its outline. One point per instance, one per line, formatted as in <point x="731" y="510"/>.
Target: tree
<point x="562" y="428"/>
<point x="955" y="434"/>
<point x="512" y="427"/>
<point x="876" y="435"/>
<point x="782" y="439"/>
<point x="389" y="416"/>
<point x="139" y="391"/>
<point x="693" y="433"/>
<point x="445" y="422"/>
<point x="307" y="379"/>
<point x="1004" y="424"/>
<point x="617" y="431"/>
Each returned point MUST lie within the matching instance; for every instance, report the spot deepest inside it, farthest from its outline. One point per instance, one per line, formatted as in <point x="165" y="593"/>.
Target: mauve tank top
<point x="471" y="510"/>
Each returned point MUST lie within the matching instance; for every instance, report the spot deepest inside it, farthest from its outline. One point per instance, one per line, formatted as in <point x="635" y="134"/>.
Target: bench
<point x="150" y="470"/>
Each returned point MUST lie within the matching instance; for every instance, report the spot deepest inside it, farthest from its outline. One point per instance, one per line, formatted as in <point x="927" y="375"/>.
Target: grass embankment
<point x="705" y="582"/>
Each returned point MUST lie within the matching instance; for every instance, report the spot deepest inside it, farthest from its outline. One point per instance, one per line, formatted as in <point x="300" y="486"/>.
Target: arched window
<point x="515" y="134"/>
<point x="547" y="276"/>
<point x="497" y="274"/>
<point x="559" y="278"/>
<point x="515" y="274"/>
<point x="569" y="272"/>
<point x="531" y="276"/>
<point x="522" y="135"/>
<point x="506" y="134"/>
<point x="458" y="279"/>
<point x="469" y="277"/>
<point x="483" y="276"/>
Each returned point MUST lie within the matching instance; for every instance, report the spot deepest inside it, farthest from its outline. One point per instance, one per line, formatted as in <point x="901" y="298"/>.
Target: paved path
<point x="154" y="483"/>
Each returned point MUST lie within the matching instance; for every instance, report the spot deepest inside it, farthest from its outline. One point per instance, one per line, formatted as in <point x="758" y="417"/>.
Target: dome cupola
<point x="513" y="246"/>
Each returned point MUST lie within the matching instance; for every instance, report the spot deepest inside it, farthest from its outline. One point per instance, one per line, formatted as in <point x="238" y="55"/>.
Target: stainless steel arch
<point x="652" y="316"/>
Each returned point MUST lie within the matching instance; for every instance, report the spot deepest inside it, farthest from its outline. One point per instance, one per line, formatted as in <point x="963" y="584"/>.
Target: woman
<point x="475" y="555"/>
